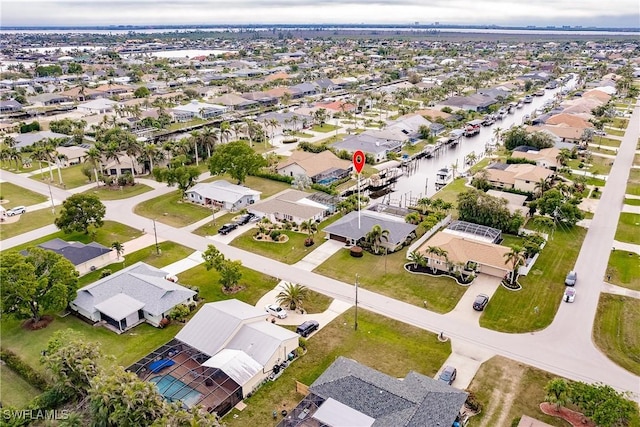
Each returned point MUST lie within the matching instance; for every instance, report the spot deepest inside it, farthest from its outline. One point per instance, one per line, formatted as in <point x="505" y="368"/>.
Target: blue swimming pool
<point x="326" y="181"/>
<point x="173" y="389"/>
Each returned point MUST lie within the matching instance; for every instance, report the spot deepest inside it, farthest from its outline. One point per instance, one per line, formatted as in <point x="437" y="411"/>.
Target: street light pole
<point x="356" y="323"/>
<point x="156" y="236"/>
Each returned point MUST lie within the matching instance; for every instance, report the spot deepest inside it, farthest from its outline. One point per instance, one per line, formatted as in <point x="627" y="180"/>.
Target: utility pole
<point x="156" y="236"/>
<point x="356" y="323"/>
<point x="53" y="206"/>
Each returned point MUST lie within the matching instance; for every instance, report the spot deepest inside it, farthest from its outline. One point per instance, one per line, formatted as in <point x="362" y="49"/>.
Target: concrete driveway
<point x="464" y="311"/>
<point x="466" y="358"/>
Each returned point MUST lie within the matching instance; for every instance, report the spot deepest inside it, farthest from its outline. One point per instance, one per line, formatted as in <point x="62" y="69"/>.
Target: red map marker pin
<point x="358" y="160"/>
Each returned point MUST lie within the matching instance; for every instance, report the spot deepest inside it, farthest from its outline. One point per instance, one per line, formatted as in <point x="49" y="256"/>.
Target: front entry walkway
<point x="319" y="255"/>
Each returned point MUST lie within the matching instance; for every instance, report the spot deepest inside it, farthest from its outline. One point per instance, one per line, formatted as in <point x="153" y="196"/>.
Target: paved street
<point x="564" y="348"/>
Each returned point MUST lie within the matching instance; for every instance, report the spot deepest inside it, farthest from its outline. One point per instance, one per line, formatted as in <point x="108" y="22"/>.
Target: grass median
<point x="615" y="330"/>
<point x="628" y="228"/>
<point x="533" y="307"/>
<point x="379" y="343"/>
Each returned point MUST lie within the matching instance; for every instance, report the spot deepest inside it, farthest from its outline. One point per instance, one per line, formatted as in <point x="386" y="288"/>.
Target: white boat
<point x="443" y="176"/>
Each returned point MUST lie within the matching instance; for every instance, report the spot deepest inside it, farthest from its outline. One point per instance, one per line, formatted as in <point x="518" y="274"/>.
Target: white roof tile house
<point x="223" y="194"/>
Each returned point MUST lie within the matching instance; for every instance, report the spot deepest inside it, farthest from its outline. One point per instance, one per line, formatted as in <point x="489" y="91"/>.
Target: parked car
<point x="18" y="210"/>
<point x="307" y="328"/>
<point x="569" y="295"/>
<point x="227" y="228"/>
<point x="480" y="302"/>
<point x="600" y="132"/>
<point x="448" y="375"/>
<point x="571" y="278"/>
<point x="244" y="219"/>
<point x="276" y="310"/>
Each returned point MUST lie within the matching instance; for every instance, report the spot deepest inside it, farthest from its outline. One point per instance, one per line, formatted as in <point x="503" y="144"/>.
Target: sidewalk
<point x="184" y="264"/>
<point x="623" y="246"/>
<point x="619" y="290"/>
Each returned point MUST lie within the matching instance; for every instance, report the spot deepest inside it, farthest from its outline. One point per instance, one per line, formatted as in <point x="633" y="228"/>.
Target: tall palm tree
<point x="94" y="156"/>
<point x="376" y="236"/>
<point x="417" y="258"/>
<point x="541" y="186"/>
<point x="9" y="141"/>
<point x="209" y="137"/>
<point x="436" y="253"/>
<point x="514" y="258"/>
<point x="118" y="247"/>
<point x="292" y="295"/>
<point x="149" y="152"/>
<point x="238" y="128"/>
<point x="311" y="228"/>
<point x="131" y="147"/>
<point x="195" y="139"/>
<point x="497" y="133"/>
<point x="225" y="131"/>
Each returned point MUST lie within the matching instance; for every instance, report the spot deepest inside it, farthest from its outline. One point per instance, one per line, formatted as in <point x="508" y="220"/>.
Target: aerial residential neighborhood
<point x="299" y="226"/>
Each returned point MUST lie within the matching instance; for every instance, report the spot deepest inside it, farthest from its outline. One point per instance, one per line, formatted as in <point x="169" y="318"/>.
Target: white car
<point x="276" y="310"/>
<point x="569" y="295"/>
<point x="18" y="210"/>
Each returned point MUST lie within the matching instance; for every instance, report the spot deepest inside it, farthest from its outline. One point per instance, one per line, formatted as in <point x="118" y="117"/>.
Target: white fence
<point x="415" y="245"/>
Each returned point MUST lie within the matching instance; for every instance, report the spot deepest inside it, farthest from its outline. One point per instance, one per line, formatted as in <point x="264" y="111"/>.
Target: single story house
<point x="245" y="346"/>
<point x="370" y="144"/>
<point x="97" y="106"/>
<point x="123" y="165"/>
<point x="476" y="102"/>
<point x="290" y="205"/>
<point x="546" y="157"/>
<point x="489" y="258"/>
<point x="85" y="258"/>
<point x="10" y="106"/>
<point x="322" y="167"/>
<point x="131" y="296"/>
<point x="346" y="228"/>
<point x="223" y="194"/>
<point x="351" y="394"/>
<point x="197" y="109"/>
<point x="48" y="99"/>
<point x="515" y="202"/>
<point x="28" y="139"/>
<point x="72" y="155"/>
<point x="523" y="177"/>
<point x="235" y="102"/>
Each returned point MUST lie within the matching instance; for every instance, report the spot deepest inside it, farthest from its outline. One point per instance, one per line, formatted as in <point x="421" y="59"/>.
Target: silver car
<point x="571" y="278"/>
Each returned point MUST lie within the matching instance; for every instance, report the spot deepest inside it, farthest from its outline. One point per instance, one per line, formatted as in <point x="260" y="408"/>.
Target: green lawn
<point x="127" y="348"/>
<point x="619" y="122"/>
<point x="379" y="343"/>
<point x="624" y="269"/>
<point x="389" y="277"/>
<point x="633" y="183"/>
<point x="110" y="232"/>
<point x="628" y="228"/>
<point x="172" y="209"/>
<point x="597" y="165"/>
<point x="255" y="284"/>
<point x="170" y="252"/>
<point x="324" y="128"/>
<point x="515" y="312"/>
<point x="510" y="240"/>
<point x="602" y="140"/>
<point x="182" y="125"/>
<point x="268" y="187"/>
<point x="290" y="252"/>
<point x="114" y="193"/>
<point x="449" y="193"/>
<point x="211" y="228"/>
<point x="301" y="135"/>
<point x="332" y="139"/>
<point x="15" y="391"/>
<point x="480" y="165"/>
<point x="13" y="196"/>
<point x="492" y="386"/>
<point x="29" y="221"/>
<point x="632" y="202"/>
<point x="72" y="177"/>
<point x="615" y="132"/>
<point x="615" y="330"/>
<point x="636" y="160"/>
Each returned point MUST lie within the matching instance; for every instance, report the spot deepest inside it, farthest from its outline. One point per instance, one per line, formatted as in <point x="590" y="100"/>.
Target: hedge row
<point x="273" y="176"/>
<point x="16" y="364"/>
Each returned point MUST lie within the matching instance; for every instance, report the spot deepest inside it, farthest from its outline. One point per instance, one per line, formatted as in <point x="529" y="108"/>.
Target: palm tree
<point x="563" y="156"/>
<point x="150" y="151"/>
<point x="225" y="131"/>
<point x="195" y="138"/>
<point x="376" y="236"/>
<point x="497" y="133"/>
<point x="131" y="147"/>
<point x="209" y="138"/>
<point x="311" y="227"/>
<point x="9" y="141"/>
<point x="514" y="258"/>
<point x="436" y="253"/>
<point x="292" y="295"/>
<point x="237" y="129"/>
<point x="94" y="156"/>
<point x="118" y="247"/>
<point x="417" y="258"/>
<point x="541" y="186"/>
<point x="557" y="391"/>
<point x="423" y="204"/>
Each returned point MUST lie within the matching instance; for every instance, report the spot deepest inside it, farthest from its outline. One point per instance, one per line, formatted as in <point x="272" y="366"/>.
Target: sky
<point x="601" y="13"/>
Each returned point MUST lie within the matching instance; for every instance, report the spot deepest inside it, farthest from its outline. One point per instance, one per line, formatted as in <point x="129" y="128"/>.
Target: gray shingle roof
<point x="347" y="226"/>
<point x="75" y="252"/>
<point x="142" y="282"/>
<point x="415" y="401"/>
